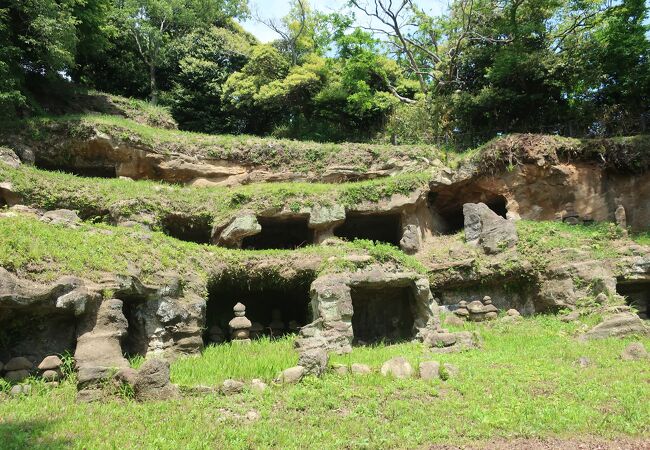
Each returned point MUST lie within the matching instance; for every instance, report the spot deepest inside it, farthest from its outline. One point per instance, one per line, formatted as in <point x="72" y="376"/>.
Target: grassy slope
<point x="540" y="245"/>
<point x="51" y="190"/>
<point x="629" y="154"/>
<point x="277" y="154"/>
<point x="524" y="382"/>
<point x="45" y="252"/>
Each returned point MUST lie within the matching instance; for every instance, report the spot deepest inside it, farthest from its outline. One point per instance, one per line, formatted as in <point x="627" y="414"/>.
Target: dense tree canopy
<point x="379" y="69"/>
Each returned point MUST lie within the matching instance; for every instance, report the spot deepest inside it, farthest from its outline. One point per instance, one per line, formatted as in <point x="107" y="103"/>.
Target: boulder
<point x="513" y="313"/>
<point x="20" y="389"/>
<point x="240" y="228"/>
<point x="487" y="229"/>
<point x="440" y="339"/>
<point x="126" y="375"/>
<point x="340" y="369"/>
<point x="571" y="317"/>
<point x="291" y="375"/>
<point x="635" y="352"/>
<point x="326" y="216"/>
<point x="258" y="385"/>
<point x="231" y="387"/>
<point x="152" y="382"/>
<point x="51" y="362"/>
<point x="397" y="367"/>
<point x="314" y="360"/>
<point x="100" y="332"/>
<point x="430" y="370"/>
<point x="8" y="157"/>
<point x="16" y="376"/>
<point x="88" y="376"/>
<point x="51" y="375"/>
<point x="454" y="321"/>
<point x="64" y="217"/>
<point x="18" y="363"/>
<point x="410" y="242"/>
<point x="360" y="369"/>
<point x="583" y="362"/>
<point x="618" y="325"/>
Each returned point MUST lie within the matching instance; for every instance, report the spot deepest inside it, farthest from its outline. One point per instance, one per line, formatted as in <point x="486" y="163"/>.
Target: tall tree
<point x="154" y="23"/>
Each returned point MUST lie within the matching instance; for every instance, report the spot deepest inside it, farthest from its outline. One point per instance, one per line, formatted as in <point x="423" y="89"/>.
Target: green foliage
<point x="205" y="60"/>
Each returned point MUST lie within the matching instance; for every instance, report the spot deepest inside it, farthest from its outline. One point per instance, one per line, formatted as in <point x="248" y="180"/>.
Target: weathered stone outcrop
<point x="331" y="299"/>
<point x="103" y="151"/>
<point x="485" y="228"/>
<point x="618" y="325"/>
<point x="241" y="227"/>
<point x="551" y="190"/>
<point x="72" y="314"/>
<point x="152" y="382"/>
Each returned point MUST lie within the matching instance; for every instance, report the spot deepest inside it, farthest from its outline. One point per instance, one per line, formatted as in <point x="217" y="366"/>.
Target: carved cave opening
<point x="36" y="334"/>
<point x="274" y="307"/>
<point x="190" y="229"/>
<point x="136" y="341"/>
<point x="280" y="233"/>
<point x="448" y="207"/>
<point x="385" y="228"/>
<point x="637" y="295"/>
<point x="382" y="314"/>
<point x="88" y="171"/>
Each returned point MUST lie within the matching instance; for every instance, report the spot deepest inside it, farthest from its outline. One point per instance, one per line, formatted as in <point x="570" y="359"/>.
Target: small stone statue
<point x="571" y="217"/>
<point x="462" y="310"/>
<point x="621" y="217"/>
<point x="240" y="326"/>
<point x="482" y="310"/>
<point x="489" y="309"/>
<point x="276" y="325"/>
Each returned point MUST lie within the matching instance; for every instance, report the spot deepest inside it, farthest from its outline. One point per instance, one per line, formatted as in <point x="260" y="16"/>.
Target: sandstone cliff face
<point x="554" y="192"/>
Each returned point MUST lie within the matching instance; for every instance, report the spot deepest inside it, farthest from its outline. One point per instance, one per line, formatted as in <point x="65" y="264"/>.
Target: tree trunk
<point x="152" y="84"/>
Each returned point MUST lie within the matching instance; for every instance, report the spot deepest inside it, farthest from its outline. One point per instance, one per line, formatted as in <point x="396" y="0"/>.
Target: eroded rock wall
<point x="553" y="192"/>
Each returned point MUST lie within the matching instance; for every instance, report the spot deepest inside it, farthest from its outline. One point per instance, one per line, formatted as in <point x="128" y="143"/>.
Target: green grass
<point x="524" y="382"/>
<point x="96" y="196"/>
<point x="642" y="238"/>
<point x="628" y="154"/>
<point x="297" y="156"/>
<point x="262" y="359"/>
<point x="45" y="252"/>
<point x="539" y="240"/>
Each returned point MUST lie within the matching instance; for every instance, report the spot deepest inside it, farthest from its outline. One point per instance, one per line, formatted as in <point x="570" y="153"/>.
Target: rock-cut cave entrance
<point x="275" y="308"/>
<point x="385" y="228"/>
<point x="382" y="314"/>
<point x="190" y="229"/>
<point x="280" y="233"/>
<point x="637" y="295"/>
<point x="94" y="171"/>
<point x="136" y="342"/>
<point x="448" y="207"/>
<point x="35" y="334"/>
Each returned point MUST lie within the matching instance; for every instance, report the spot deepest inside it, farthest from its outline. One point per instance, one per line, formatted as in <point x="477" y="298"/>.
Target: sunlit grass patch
<point x="262" y="358"/>
<point x="523" y="382"/>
